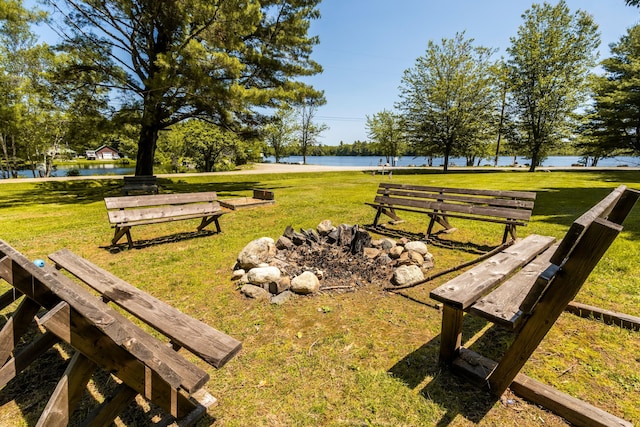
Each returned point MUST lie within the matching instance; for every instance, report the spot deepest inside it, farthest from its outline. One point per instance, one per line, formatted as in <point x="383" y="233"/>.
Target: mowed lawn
<point x="363" y="358"/>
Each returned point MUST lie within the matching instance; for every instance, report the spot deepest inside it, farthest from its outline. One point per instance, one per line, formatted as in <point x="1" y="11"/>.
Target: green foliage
<point x="550" y="60"/>
<point x="385" y="130"/>
<point x="207" y="145"/>
<point x="280" y="132"/>
<point x="447" y="99"/>
<point x="614" y="123"/>
<point x="178" y="60"/>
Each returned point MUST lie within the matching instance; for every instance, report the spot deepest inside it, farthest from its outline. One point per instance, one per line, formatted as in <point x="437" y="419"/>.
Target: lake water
<point x="86" y="170"/>
<point x="346" y="161"/>
<point x="560" y="161"/>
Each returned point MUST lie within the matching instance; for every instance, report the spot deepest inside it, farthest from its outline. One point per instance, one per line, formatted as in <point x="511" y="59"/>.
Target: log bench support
<point x="511" y="208"/>
<point x="525" y="288"/>
<point x="104" y="338"/>
<point x="130" y="211"/>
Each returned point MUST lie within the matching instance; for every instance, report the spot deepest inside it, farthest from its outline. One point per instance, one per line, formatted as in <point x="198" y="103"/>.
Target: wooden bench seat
<point x="130" y="211"/>
<point x="104" y="338"/>
<point x="525" y="288"/>
<point x="511" y="208"/>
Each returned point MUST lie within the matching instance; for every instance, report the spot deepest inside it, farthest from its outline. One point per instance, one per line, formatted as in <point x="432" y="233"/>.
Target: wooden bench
<point x="130" y="211"/>
<point x="104" y="338"/>
<point x="525" y="288"/>
<point x="512" y="208"/>
<point x="146" y="184"/>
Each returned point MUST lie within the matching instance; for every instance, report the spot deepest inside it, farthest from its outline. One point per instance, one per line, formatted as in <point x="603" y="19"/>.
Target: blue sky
<point x="366" y="45"/>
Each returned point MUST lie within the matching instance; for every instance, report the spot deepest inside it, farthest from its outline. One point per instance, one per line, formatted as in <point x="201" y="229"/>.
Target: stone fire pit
<point x="327" y="258"/>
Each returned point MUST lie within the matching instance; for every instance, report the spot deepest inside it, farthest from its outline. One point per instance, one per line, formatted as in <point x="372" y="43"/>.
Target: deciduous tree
<point x="447" y="98"/>
<point x="386" y="131"/>
<point x="549" y="62"/>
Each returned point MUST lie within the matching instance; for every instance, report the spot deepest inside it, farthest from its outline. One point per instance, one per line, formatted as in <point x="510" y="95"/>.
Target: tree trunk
<point x="146" y="149"/>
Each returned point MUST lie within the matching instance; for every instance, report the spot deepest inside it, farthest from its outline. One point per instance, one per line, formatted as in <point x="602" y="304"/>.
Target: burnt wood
<point x="130" y="211"/>
<point x="511" y="208"/>
<point x="525" y="288"/>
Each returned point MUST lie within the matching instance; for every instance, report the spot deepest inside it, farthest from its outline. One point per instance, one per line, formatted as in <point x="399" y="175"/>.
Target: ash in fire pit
<point x="327" y="258"/>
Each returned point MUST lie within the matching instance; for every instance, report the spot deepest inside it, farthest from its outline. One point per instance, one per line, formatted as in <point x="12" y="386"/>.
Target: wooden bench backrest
<point x="127" y="209"/>
<point x="514" y="205"/>
<point x="579" y="251"/>
<point x="125" y="202"/>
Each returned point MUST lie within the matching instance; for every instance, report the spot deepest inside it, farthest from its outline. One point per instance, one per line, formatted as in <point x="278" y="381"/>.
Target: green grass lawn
<point x="340" y="359"/>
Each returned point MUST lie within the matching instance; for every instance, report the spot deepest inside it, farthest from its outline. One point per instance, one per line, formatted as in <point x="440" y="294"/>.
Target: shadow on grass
<point x="451" y="392"/>
<point x="172" y="238"/>
<point x="90" y="191"/>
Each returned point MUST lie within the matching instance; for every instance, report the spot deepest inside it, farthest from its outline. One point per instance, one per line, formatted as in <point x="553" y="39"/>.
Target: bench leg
<point x="509" y="229"/>
<point x="440" y="219"/>
<point x="377" y="218"/>
<point x="451" y="335"/>
<point x="119" y="233"/>
<point x="206" y="221"/>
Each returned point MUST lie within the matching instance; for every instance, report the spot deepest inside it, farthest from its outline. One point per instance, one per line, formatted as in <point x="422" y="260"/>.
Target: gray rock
<point x="281" y="298"/>
<point x="406" y="275"/>
<point x="257" y="252"/>
<point x="255" y="292"/>
<point x="429" y="262"/>
<point x="419" y="247"/>
<point x="237" y="274"/>
<point x="387" y="244"/>
<point x="262" y="275"/>
<point x="396" y="251"/>
<point x="305" y="283"/>
<point x="325" y="227"/>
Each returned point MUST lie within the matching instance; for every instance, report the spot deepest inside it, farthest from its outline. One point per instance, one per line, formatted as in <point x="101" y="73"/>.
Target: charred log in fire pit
<point x="327" y="258"/>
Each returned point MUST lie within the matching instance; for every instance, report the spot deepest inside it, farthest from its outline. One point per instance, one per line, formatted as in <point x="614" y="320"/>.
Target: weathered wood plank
<point x="159" y="199"/>
<point x="68" y="392"/>
<point x="494" y="193"/>
<point x="464" y="290"/>
<point x="211" y="345"/>
<point x="16" y="326"/>
<point x="165" y="362"/>
<point x="103" y="415"/>
<point x="576" y="411"/>
<point x="502" y="305"/>
<point x="600" y="210"/>
<point x="607" y="316"/>
<point x="9" y="297"/>
<point x="166" y="213"/>
<point x="113" y="357"/>
<point x="467" y="209"/>
<point x="454" y="198"/>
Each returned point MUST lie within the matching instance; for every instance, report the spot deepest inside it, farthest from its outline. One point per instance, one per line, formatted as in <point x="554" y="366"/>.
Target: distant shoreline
<point x="271" y="168"/>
